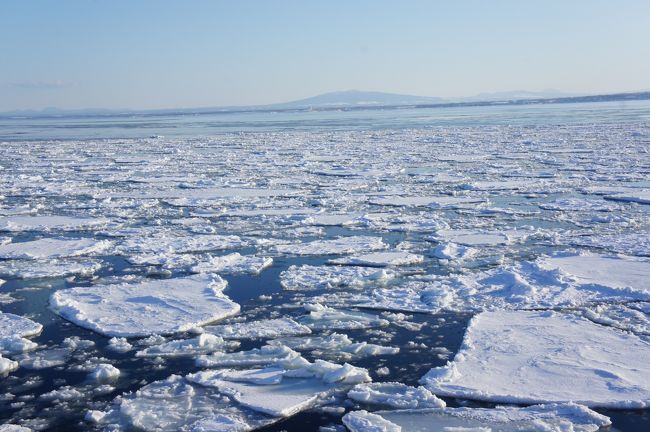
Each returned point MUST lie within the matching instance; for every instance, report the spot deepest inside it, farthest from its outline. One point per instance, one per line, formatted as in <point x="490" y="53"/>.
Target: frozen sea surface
<point x="392" y="269"/>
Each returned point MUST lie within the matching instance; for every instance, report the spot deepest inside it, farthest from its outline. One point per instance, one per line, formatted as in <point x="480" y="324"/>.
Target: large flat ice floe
<point x="53" y="248"/>
<point x="616" y="272"/>
<point x="539" y="357"/>
<point x="537" y="418"/>
<point x="146" y="308"/>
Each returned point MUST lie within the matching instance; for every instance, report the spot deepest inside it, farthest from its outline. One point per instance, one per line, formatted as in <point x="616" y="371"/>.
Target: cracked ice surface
<point x="440" y="223"/>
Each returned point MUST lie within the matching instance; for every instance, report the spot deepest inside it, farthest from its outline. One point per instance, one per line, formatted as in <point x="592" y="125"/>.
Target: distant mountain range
<point x="361" y="98"/>
<point x="356" y="99"/>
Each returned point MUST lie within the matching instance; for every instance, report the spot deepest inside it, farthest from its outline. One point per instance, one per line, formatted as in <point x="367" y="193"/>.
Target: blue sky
<point x="164" y="54"/>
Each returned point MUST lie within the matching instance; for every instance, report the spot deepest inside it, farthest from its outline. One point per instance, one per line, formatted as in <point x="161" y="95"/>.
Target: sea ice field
<point x="468" y="269"/>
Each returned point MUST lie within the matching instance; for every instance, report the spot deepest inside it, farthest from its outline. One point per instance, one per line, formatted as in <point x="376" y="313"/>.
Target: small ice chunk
<point x="7" y="365"/>
<point x="453" y="251"/>
<point x="542" y="357"/>
<point x="45" y="359"/>
<point x="233" y="263"/>
<point x="38" y="269"/>
<point x="278" y="399"/>
<point x="15" y="325"/>
<point x="537" y="418"/>
<point x="266" y="355"/>
<point x="395" y="395"/>
<point x="331" y="372"/>
<point x="146" y="308"/>
<point x="220" y="423"/>
<point x="13" y="331"/>
<point x="175" y="404"/>
<point x="380" y="259"/>
<point x="202" y="344"/>
<point x="269" y="328"/>
<point x="13" y="428"/>
<point x="119" y="345"/>
<point x="53" y="248"/>
<point x="339" y="345"/>
<point x="325" y="318"/>
<point x="307" y="277"/>
<point x="104" y="372"/>
<point x="472" y="237"/>
<point x="336" y="246"/>
<point x="325" y="219"/>
<point x="364" y="421"/>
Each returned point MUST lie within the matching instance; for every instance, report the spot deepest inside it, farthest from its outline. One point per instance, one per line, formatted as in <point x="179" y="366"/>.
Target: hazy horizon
<point x="158" y="55"/>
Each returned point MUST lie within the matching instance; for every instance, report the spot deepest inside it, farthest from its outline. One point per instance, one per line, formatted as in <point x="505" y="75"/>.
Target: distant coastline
<point x="301" y="106"/>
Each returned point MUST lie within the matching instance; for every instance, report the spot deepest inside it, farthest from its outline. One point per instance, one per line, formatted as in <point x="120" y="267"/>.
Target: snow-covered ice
<point x="205" y="343"/>
<point x="308" y="277"/>
<point x="14" y="330"/>
<point x="536" y="418"/>
<point x="325" y="318"/>
<point x="150" y="307"/>
<point x="53" y="248"/>
<point x="380" y="259"/>
<point x="266" y="355"/>
<point x="335" y="345"/>
<point x="337" y="246"/>
<point x="271" y="328"/>
<point x="50" y="223"/>
<point x="544" y="357"/>
<point x="395" y="395"/>
<point x="233" y="263"/>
